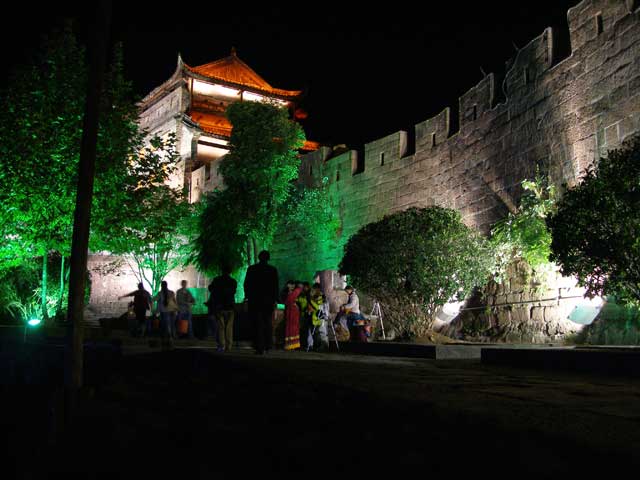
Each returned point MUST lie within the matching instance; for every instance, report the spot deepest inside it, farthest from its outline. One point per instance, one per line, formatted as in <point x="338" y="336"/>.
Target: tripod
<point x="377" y="311"/>
<point x="333" y="330"/>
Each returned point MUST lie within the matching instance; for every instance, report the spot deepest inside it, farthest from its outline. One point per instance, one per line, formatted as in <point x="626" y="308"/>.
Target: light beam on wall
<point x="586" y="310"/>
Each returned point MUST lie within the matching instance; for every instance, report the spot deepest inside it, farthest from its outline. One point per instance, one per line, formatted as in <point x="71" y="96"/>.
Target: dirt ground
<point x="192" y="413"/>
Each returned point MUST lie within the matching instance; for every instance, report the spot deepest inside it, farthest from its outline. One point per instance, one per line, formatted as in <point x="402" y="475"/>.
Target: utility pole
<point x="98" y="29"/>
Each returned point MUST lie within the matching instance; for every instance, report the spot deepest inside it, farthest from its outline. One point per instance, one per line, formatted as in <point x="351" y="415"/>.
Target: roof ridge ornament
<point x="233" y="52"/>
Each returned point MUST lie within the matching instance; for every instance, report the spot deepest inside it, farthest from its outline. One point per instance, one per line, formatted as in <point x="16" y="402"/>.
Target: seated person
<point x="350" y="319"/>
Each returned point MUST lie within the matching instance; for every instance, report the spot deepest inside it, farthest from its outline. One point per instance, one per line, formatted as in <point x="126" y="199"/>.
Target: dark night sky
<point x="368" y="73"/>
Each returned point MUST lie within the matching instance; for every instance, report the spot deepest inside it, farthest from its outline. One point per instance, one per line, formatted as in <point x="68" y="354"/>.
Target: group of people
<point x="261" y="288"/>
<point x="175" y="310"/>
<point x="306" y="312"/>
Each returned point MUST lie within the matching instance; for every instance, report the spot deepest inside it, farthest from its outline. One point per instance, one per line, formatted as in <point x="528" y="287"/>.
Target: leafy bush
<point x="524" y="234"/>
<point x="596" y="229"/>
<point x="415" y="261"/>
<point x="20" y="296"/>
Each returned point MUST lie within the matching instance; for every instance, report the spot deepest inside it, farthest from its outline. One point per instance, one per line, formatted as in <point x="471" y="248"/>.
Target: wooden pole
<point x="100" y="22"/>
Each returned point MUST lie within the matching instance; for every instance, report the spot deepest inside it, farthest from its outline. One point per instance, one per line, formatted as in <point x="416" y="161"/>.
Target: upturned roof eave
<point x="288" y="95"/>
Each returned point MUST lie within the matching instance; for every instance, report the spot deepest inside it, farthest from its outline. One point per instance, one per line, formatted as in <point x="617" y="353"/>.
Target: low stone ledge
<point x="612" y="362"/>
<point x="434" y="352"/>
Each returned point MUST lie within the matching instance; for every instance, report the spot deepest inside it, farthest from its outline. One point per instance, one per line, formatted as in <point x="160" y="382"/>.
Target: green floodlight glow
<point x="34" y="322"/>
<point x="280" y="306"/>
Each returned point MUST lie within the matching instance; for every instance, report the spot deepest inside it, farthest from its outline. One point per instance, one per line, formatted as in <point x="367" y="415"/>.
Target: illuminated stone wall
<point x="558" y="113"/>
<point x="111" y="277"/>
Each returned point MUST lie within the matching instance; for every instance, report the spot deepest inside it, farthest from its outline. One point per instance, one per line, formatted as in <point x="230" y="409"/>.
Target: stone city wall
<point x="560" y="114"/>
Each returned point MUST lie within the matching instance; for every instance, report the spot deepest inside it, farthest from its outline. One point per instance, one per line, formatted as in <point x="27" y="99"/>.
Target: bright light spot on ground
<point x="34" y="321"/>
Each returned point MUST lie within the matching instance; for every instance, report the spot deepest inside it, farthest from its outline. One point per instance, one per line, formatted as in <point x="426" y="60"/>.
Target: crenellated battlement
<point x="477" y="101"/>
<point x="559" y="114"/>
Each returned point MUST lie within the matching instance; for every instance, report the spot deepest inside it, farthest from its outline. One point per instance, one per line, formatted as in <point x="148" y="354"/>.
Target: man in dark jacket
<point x="141" y="303"/>
<point x="261" y="290"/>
<point x="223" y="293"/>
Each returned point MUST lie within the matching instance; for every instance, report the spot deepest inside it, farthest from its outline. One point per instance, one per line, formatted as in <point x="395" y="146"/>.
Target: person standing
<point x="141" y="303"/>
<point x="185" y="304"/>
<point x="223" y="293"/>
<point x="305" y="314"/>
<point x="319" y="312"/>
<point x="167" y="306"/>
<point x="292" y="319"/>
<point x="261" y="291"/>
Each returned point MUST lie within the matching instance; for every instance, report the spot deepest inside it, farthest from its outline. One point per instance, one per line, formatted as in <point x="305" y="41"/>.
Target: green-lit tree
<point x="258" y="171"/>
<point x="310" y="219"/>
<point x="596" y="229"/>
<point x="309" y="215"/>
<point x="41" y="114"/>
<point x="40" y="131"/>
<point x="154" y="224"/>
<point x="415" y="261"/>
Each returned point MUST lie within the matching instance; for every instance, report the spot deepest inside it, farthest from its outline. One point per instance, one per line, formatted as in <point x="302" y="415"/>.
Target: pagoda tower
<point x="192" y="104"/>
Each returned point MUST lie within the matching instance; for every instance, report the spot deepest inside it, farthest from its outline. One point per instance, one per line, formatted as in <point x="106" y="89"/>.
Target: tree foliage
<point x="41" y="115"/>
<point x="155" y="222"/>
<point x="310" y="217"/>
<point x="40" y="133"/>
<point x="524" y="234"/>
<point x="596" y="229"/>
<point x="415" y="261"/>
<point x="258" y="172"/>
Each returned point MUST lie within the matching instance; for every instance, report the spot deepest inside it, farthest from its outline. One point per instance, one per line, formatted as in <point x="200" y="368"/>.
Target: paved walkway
<point x="194" y="413"/>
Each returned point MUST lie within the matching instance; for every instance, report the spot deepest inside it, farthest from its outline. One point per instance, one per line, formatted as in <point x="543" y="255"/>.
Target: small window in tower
<point x="207" y="171"/>
<point x="475" y="112"/>
<point x="310" y="170"/>
<point x="382" y="159"/>
<point x="599" y="24"/>
<point x="338" y="176"/>
<point x="525" y="75"/>
<point x="433" y="140"/>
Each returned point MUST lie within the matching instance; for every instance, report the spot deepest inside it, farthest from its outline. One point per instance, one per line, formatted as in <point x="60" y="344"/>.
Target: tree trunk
<point x="61" y="293"/>
<point x="255" y="249"/>
<point x="43" y="290"/>
<point x="249" y="253"/>
<point x="86" y="170"/>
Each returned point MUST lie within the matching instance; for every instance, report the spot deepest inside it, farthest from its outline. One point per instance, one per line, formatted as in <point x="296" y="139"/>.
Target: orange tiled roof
<point x="233" y="70"/>
<point x="310" y="146"/>
<point x="215" y="124"/>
